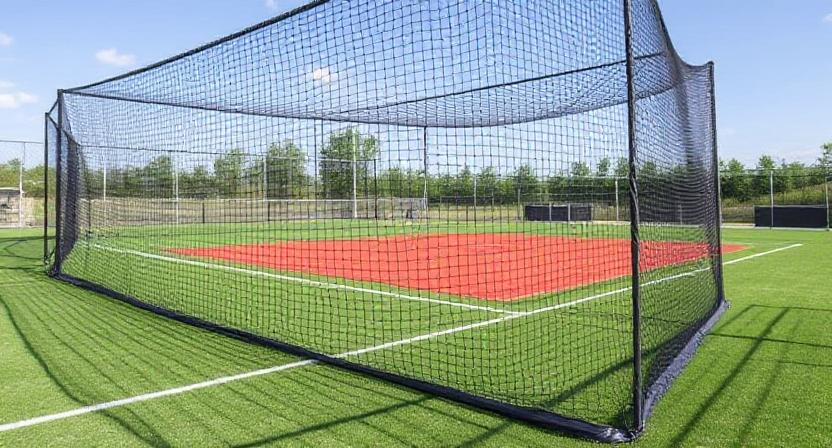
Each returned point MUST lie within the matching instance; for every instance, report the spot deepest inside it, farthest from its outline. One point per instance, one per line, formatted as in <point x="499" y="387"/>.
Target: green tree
<point x="10" y="173"/>
<point x="527" y="183"/>
<point x="336" y="167"/>
<point x="228" y="174"/>
<point x="198" y="183"/>
<point x="825" y="160"/>
<point x="286" y="171"/>
<point x="157" y="177"/>
<point x="760" y="184"/>
<point x="580" y="169"/>
<point x="487" y="182"/>
<point x="622" y="167"/>
<point x="736" y="184"/>
<point x="603" y="169"/>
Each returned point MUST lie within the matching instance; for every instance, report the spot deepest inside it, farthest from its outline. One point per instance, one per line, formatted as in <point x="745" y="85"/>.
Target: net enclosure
<point x="349" y="182"/>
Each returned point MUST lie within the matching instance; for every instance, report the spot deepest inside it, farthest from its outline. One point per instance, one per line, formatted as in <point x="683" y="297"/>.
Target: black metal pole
<point x="638" y="411"/>
<point x="56" y="267"/>
<point x="717" y="191"/>
<point x="45" y="186"/>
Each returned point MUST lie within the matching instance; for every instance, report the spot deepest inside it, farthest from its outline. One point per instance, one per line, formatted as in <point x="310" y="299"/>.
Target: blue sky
<point x="774" y="58"/>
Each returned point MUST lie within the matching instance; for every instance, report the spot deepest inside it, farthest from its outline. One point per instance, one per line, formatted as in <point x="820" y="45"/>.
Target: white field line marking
<point x="303" y="363"/>
<point x="301" y="280"/>
<point x="762" y="253"/>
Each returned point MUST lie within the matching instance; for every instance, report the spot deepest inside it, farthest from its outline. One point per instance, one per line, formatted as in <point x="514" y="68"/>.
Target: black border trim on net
<point x="662" y="384"/>
<point x="537" y="417"/>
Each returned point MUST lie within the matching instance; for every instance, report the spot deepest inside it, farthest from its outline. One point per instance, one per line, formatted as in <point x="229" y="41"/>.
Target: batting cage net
<point x="509" y="204"/>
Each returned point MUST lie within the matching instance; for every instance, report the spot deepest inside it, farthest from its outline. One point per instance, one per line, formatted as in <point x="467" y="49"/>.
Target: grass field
<point x="762" y="378"/>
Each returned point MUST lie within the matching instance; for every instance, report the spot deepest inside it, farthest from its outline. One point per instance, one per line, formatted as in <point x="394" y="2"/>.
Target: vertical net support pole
<point x="771" y="197"/>
<point x="717" y="250"/>
<point x="638" y="397"/>
<point x="617" y="202"/>
<point x="56" y="267"/>
<point x="45" y="186"/>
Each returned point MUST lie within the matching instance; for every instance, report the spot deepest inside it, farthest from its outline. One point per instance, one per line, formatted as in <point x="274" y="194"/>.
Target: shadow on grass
<point x="786" y="323"/>
<point x="96" y="349"/>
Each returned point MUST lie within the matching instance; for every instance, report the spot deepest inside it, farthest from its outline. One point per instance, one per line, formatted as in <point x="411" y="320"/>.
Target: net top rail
<point x="438" y="63"/>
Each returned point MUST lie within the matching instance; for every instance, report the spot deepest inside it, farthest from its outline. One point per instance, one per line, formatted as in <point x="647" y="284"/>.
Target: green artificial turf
<point x="762" y="378"/>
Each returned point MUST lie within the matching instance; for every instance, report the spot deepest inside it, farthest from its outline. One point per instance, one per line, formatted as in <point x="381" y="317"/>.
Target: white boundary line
<point x="762" y="254"/>
<point x="301" y="280"/>
<point x="256" y="373"/>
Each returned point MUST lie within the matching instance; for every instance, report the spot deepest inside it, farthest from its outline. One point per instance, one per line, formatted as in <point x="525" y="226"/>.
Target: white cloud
<point x="5" y="40"/>
<point x="827" y="18"/>
<point x="322" y="74"/>
<point x="6" y="85"/>
<point x="271" y="4"/>
<point x="111" y="56"/>
<point x="14" y="100"/>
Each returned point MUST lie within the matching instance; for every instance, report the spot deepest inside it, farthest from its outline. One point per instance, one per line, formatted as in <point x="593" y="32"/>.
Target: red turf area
<point x="495" y="266"/>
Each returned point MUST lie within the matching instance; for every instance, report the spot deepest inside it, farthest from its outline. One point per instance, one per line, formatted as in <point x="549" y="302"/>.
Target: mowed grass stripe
<point x="261" y="372"/>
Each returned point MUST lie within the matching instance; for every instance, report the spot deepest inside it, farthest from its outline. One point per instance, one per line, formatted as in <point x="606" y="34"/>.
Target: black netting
<point x="437" y="193"/>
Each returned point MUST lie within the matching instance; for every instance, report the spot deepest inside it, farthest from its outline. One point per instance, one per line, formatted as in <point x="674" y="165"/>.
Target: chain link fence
<point x="777" y="198"/>
<point x="24" y="185"/>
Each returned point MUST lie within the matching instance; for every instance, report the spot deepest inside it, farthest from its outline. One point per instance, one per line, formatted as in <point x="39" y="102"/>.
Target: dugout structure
<point x="575" y="327"/>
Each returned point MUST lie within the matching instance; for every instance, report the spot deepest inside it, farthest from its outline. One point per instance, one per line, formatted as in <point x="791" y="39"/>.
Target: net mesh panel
<point x="351" y="179"/>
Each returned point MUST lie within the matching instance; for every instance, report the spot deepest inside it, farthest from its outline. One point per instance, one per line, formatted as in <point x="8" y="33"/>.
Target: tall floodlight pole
<point x="355" y="174"/>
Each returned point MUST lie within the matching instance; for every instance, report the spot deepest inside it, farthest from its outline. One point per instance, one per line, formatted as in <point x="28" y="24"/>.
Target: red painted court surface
<point x="493" y="266"/>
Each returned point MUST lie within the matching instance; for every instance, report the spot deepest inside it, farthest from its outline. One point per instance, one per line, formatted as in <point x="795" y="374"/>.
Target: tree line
<point x="284" y="174"/>
<point x="743" y="184"/>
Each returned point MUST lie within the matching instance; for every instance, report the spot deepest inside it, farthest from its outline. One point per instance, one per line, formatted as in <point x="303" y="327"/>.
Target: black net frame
<point x="435" y="94"/>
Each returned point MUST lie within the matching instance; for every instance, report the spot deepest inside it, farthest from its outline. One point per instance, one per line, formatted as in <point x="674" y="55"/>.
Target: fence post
<point x="356" y="142"/>
<point x="771" y="196"/>
<point x="826" y="178"/>
<point x="176" y="185"/>
<point x="20" y="186"/>
<point x="617" y="216"/>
